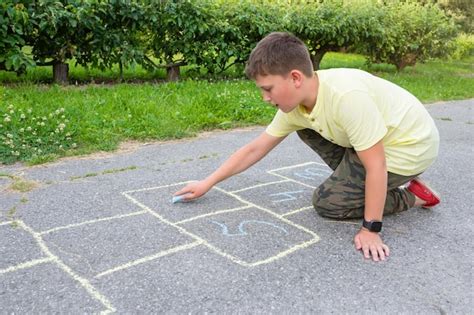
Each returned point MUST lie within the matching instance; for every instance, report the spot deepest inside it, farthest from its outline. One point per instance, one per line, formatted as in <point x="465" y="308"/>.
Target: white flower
<point x="29" y="110"/>
<point x="22" y="129"/>
<point x="9" y="135"/>
<point x="7" y="119"/>
<point x="62" y="126"/>
<point x="39" y="151"/>
<point x="12" y="111"/>
<point x="10" y="106"/>
<point x="42" y="124"/>
<point x="28" y="128"/>
<point x="74" y="145"/>
<point x="22" y="116"/>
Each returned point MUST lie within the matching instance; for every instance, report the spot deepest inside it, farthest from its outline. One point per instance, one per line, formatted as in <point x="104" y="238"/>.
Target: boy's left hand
<point x="371" y="244"/>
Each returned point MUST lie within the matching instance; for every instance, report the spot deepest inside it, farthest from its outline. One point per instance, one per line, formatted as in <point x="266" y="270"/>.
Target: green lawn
<point x="40" y="122"/>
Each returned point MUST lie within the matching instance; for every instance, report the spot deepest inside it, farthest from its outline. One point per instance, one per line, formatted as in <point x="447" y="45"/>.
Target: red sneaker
<point x="417" y="187"/>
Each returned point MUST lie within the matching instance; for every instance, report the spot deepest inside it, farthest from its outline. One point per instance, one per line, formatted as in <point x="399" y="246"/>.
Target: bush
<point x="463" y="46"/>
<point x="409" y="32"/>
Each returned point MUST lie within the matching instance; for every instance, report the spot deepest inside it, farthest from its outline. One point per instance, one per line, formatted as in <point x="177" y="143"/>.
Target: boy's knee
<point x="323" y="206"/>
<point x="329" y="206"/>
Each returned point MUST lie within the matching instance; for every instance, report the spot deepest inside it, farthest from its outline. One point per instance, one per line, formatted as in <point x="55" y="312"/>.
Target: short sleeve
<point x="361" y="119"/>
<point x="280" y="125"/>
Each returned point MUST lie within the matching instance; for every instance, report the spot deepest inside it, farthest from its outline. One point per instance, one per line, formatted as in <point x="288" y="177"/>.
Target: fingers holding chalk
<point x="179" y="198"/>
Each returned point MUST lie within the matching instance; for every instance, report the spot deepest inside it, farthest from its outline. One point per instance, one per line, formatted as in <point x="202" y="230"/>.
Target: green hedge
<point x="211" y="35"/>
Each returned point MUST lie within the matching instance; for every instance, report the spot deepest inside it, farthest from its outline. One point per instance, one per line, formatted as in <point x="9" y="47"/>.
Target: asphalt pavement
<point x="99" y="234"/>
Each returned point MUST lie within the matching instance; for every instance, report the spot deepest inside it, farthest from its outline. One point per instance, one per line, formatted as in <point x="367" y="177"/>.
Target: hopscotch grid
<point x="260" y="185"/>
<point x="84" y="283"/>
<point x="248" y="205"/>
<point x="116" y="217"/>
<point x="184" y="231"/>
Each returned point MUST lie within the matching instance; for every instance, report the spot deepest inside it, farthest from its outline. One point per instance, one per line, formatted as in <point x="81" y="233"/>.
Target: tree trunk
<point x="316" y="59"/>
<point x="172" y="73"/>
<point x="60" y="72"/>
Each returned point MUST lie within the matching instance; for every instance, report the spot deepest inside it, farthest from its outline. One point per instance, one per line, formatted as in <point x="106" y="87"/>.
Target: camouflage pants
<point x="342" y="195"/>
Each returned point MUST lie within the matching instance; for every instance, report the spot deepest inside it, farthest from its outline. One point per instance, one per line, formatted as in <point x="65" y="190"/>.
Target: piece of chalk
<point x="178" y="198"/>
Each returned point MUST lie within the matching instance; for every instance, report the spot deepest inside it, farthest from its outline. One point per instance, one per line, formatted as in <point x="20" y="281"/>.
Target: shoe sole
<point x="432" y="191"/>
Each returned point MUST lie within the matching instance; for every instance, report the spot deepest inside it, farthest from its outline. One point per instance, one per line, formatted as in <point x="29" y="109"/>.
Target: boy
<point x="375" y="135"/>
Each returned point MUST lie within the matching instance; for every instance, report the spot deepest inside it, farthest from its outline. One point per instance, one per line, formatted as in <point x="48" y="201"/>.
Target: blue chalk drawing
<point x="288" y="194"/>
<point x="313" y="173"/>
<point x="242" y="232"/>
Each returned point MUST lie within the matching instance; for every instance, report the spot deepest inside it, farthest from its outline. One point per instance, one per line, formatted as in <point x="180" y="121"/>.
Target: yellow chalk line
<point x="158" y="187"/>
<point x="93" y="221"/>
<point x="297" y="210"/>
<point x="82" y="281"/>
<point x="295" y="166"/>
<point x="260" y="185"/>
<point x="212" y="214"/>
<point x="27" y="264"/>
<point x="291" y="179"/>
<point x="148" y="258"/>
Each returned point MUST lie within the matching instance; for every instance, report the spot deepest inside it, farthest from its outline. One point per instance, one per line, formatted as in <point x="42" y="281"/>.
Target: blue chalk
<point x="178" y="198"/>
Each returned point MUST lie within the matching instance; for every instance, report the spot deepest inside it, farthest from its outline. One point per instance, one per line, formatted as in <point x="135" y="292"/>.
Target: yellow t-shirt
<point x="355" y="109"/>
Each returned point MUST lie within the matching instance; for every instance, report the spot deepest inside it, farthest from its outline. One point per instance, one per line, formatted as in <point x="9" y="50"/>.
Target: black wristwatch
<point x="372" y="226"/>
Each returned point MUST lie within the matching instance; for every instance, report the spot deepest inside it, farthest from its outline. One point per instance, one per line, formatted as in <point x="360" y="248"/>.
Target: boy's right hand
<point x="194" y="190"/>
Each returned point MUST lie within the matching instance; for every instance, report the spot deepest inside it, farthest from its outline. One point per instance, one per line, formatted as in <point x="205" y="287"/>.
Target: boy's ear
<point x="297" y="77"/>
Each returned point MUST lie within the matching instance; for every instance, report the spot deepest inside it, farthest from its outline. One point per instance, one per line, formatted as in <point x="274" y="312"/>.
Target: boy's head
<point x="278" y="54"/>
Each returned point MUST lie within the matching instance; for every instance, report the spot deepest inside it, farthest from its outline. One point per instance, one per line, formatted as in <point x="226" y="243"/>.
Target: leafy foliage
<point x="409" y="32"/>
<point x="14" y="27"/>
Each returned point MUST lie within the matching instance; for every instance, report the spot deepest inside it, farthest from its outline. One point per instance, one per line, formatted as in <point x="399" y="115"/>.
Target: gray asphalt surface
<point x="99" y="234"/>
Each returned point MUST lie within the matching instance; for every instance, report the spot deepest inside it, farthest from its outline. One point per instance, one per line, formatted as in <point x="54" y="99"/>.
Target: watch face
<point x="376" y="226"/>
<point x="373" y="226"/>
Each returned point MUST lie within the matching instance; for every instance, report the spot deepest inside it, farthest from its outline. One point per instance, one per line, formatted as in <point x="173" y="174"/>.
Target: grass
<point x="46" y="122"/>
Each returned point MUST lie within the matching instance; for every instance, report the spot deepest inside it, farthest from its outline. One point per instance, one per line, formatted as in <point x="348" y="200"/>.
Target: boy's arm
<point x="375" y="166"/>
<point x="242" y="159"/>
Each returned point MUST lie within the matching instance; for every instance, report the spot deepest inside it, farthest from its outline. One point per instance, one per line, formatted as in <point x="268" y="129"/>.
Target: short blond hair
<point x="279" y="53"/>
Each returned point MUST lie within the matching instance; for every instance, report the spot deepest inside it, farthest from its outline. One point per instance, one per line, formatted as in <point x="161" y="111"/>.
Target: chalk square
<point x="95" y="248"/>
<point x="251" y="236"/>
<point x="312" y="174"/>
<point x="159" y="199"/>
<point x="45" y="289"/>
<point x="279" y="197"/>
<point x="17" y="246"/>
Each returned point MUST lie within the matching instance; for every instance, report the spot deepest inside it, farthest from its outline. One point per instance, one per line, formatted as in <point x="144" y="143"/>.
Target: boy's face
<point x="278" y="90"/>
